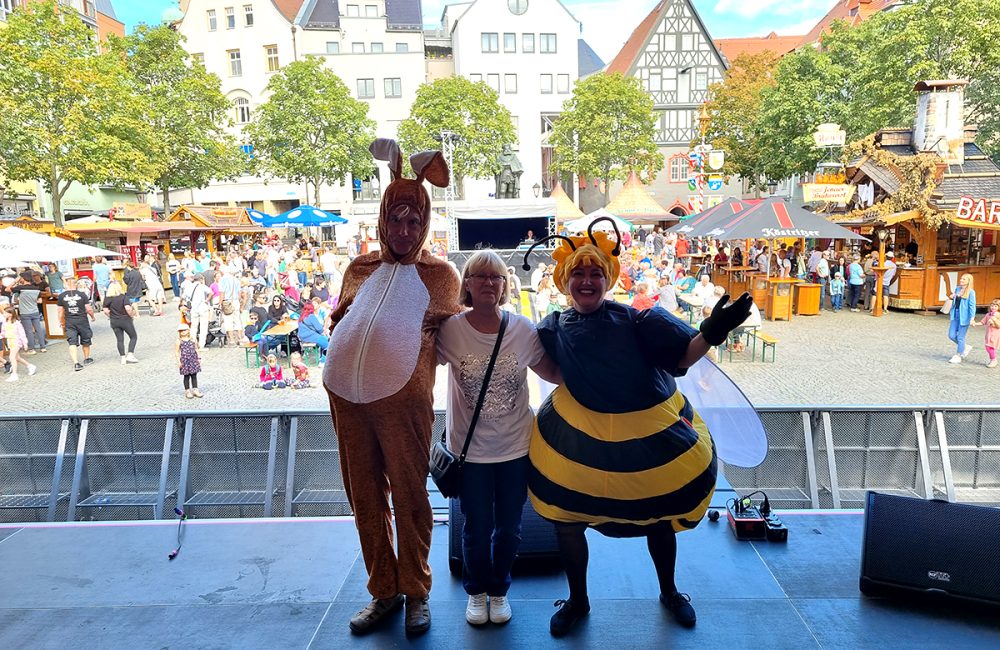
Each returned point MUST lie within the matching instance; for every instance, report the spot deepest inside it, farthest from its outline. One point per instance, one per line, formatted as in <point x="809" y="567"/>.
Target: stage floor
<point x="294" y="583"/>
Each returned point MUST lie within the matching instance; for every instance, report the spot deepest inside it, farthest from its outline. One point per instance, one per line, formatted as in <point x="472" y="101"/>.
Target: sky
<point x="608" y="23"/>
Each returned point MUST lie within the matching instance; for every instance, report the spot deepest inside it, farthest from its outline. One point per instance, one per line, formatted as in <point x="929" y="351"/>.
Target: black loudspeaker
<point x="916" y="545"/>
<point x="538" y="536"/>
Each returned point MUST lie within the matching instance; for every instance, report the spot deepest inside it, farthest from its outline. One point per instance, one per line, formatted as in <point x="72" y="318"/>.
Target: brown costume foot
<point x="375" y="613"/>
<point x="418" y="616"/>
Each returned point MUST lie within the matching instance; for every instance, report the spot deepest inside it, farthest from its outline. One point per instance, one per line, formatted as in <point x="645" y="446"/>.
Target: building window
<point x="493" y="81"/>
<point x="271" y="55"/>
<point x="491" y="42"/>
<point x="358" y="48"/>
<point x="528" y="43"/>
<point x="654" y="83"/>
<point x="562" y="84"/>
<point x="701" y="80"/>
<point x="475" y="78"/>
<point x="393" y="87"/>
<point x="679" y="169"/>
<point x="367" y="189"/>
<point x="353" y="10"/>
<point x="509" y="42"/>
<point x="377" y="48"/>
<point x="198" y="59"/>
<point x="547" y="43"/>
<point x="230" y="18"/>
<point x="332" y="47"/>
<point x="546" y="84"/>
<point x="371" y="11"/>
<point x="402" y="47"/>
<point x="366" y="88"/>
<point x="212" y="22"/>
<point x="248" y="15"/>
<point x="235" y="64"/>
<point x="242" y="110"/>
<point x="510" y="84"/>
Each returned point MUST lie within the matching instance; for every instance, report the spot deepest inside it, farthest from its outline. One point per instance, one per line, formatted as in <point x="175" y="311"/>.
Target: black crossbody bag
<point x="446" y="468"/>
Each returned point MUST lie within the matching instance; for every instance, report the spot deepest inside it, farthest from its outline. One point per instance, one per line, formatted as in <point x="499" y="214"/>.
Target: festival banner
<point x="824" y="193"/>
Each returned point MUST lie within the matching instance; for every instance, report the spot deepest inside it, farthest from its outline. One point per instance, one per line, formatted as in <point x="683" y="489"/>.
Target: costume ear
<point x="430" y="165"/>
<point x="388" y="150"/>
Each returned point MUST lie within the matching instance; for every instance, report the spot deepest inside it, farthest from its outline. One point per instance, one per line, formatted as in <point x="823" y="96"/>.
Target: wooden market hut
<point x="963" y="239"/>
<point x="634" y="204"/>
<point x="43" y="226"/>
<point x="214" y="221"/>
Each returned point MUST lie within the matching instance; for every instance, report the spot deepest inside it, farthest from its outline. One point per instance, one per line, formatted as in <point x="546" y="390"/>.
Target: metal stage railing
<point x="131" y="466"/>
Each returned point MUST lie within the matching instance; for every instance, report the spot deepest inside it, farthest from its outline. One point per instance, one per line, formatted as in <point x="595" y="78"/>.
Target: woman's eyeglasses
<point x="495" y="279"/>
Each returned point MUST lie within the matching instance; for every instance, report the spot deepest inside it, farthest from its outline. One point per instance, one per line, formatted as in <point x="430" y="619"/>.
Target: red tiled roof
<point x="779" y="45"/>
<point x="633" y="45"/>
<point x="842" y="11"/>
<point x="288" y="8"/>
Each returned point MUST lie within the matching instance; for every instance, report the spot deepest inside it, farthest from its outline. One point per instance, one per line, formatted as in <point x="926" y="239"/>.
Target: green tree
<point x="70" y="114"/>
<point x="735" y="107"/>
<point x="606" y="130"/>
<point x="470" y="110"/>
<point x="185" y="106"/>
<point x="310" y="129"/>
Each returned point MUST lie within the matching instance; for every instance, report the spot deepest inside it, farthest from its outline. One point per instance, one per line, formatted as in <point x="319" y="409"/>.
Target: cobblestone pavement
<point x="841" y="358"/>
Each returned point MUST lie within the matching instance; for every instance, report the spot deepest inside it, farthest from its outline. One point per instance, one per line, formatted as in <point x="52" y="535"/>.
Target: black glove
<point x="724" y="319"/>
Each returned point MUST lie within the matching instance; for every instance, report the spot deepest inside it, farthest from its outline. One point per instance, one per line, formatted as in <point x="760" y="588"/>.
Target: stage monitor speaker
<point x="933" y="546"/>
<point x="538" y="537"/>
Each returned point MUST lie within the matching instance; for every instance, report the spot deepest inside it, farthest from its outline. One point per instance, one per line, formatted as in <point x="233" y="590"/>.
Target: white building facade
<point x="377" y="50"/>
<point x="526" y="50"/>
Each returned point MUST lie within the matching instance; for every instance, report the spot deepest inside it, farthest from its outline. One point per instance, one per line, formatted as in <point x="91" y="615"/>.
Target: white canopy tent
<point x="24" y="247"/>
<point x="581" y="224"/>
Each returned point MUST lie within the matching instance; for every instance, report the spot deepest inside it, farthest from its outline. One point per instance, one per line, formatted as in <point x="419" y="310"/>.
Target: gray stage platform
<point x="293" y="583"/>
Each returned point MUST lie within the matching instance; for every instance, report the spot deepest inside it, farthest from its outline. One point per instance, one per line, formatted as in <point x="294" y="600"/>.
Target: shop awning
<point x="27" y="246"/>
<point x="508" y="209"/>
<point x="777" y="219"/>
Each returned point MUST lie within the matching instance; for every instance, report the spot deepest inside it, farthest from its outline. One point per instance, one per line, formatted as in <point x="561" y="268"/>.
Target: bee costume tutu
<point x="618" y="447"/>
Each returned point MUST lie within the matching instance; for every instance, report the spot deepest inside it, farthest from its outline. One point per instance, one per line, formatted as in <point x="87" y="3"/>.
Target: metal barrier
<point x="58" y="467"/>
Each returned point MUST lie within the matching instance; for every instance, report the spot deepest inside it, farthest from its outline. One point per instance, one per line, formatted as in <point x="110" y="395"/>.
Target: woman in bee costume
<point x="617" y="447"/>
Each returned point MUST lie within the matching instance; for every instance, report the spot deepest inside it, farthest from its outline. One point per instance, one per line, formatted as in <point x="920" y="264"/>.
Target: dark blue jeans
<point x="493" y="495"/>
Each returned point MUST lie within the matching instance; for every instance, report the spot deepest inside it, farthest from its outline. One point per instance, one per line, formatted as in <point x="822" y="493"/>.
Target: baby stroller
<point x="215" y="334"/>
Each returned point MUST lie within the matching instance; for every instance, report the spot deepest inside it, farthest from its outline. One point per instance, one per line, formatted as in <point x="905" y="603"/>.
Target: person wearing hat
<point x="75" y="316"/>
<point x="890" y="274"/>
<point x="188" y="360"/>
<point x="617" y="447"/>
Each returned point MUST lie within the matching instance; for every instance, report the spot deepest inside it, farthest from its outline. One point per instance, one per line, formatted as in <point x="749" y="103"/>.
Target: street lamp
<point x="537" y="189"/>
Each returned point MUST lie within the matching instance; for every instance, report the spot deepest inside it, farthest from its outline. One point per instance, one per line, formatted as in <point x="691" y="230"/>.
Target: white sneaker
<point x="476" y="612"/>
<point x="32" y="369"/>
<point x="955" y="359"/>
<point x="12" y="378"/>
<point x="130" y="358"/>
<point x="499" y="609"/>
<point x="124" y="361"/>
<point x="968" y="349"/>
<point x="992" y="363"/>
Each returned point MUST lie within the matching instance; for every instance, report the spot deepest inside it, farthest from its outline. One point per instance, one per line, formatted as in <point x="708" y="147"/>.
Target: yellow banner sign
<point x="131" y="211"/>
<point x="823" y="193"/>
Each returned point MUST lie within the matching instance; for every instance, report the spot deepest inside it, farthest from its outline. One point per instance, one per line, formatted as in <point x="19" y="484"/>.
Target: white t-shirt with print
<point x="504" y="426"/>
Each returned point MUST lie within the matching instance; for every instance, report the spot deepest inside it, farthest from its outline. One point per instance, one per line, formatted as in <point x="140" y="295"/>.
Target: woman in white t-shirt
<point x="495" y="474"/>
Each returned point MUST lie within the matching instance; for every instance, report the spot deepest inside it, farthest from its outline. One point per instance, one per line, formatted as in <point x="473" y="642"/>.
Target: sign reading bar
<point x="979" y="211"/>
<point x="821" y="192"/>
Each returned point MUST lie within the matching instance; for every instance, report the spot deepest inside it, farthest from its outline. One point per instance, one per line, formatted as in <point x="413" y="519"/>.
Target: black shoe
<point x="568" y="615"/>
<point x="77" y="367"/>
<point x="375" y="613"/>
<point x="418" y="616"/>
<point x="680" y="606"/>
<point x="88" y="361"/>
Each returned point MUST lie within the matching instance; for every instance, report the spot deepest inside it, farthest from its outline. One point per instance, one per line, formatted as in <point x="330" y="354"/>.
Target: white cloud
<point x="607" y="24"/>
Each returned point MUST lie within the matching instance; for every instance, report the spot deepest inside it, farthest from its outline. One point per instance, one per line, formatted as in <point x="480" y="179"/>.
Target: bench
<point x="767" y="341"/>
<point x="310" y="350"/>
<point x="247" y="349"/>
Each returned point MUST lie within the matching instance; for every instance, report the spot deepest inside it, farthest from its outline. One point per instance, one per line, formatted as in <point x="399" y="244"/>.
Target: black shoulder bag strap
<point x="482" y="391"/>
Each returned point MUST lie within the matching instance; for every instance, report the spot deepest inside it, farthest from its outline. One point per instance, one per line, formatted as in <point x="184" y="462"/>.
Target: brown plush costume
<point x="380" y="376"/>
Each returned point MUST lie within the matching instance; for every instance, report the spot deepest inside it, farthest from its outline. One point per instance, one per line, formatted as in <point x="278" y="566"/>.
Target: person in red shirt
<point x="642" y="298"/>
<point x="683" y="247"/>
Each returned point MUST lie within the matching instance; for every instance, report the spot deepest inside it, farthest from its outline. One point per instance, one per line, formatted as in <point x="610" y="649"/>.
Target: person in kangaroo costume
<point x="379" y="375"/>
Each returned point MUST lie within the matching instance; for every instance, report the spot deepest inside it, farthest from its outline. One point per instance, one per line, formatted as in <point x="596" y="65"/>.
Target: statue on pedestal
<point x="509" y="178"/>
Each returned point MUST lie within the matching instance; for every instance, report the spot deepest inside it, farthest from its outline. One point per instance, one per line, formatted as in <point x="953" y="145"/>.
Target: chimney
<point x="940" y="124"/>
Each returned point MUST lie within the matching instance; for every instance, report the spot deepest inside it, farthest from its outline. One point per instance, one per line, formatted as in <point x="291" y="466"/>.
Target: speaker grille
<point x="919" y="544"/>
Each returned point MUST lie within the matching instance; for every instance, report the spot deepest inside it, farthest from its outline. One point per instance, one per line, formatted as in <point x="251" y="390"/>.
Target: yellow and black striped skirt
<point x="621" y="472"/>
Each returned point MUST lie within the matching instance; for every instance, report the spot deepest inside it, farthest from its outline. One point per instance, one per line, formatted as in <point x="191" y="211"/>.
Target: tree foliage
<point x="862" y="78"/>
<point x="68" y="112"/>
<point x="470" y="110"/>
<point x="310" y="129"/>
<point x="737" y="124"/>
<point x="606" y="130"/>
<point x="185" y="106"/>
